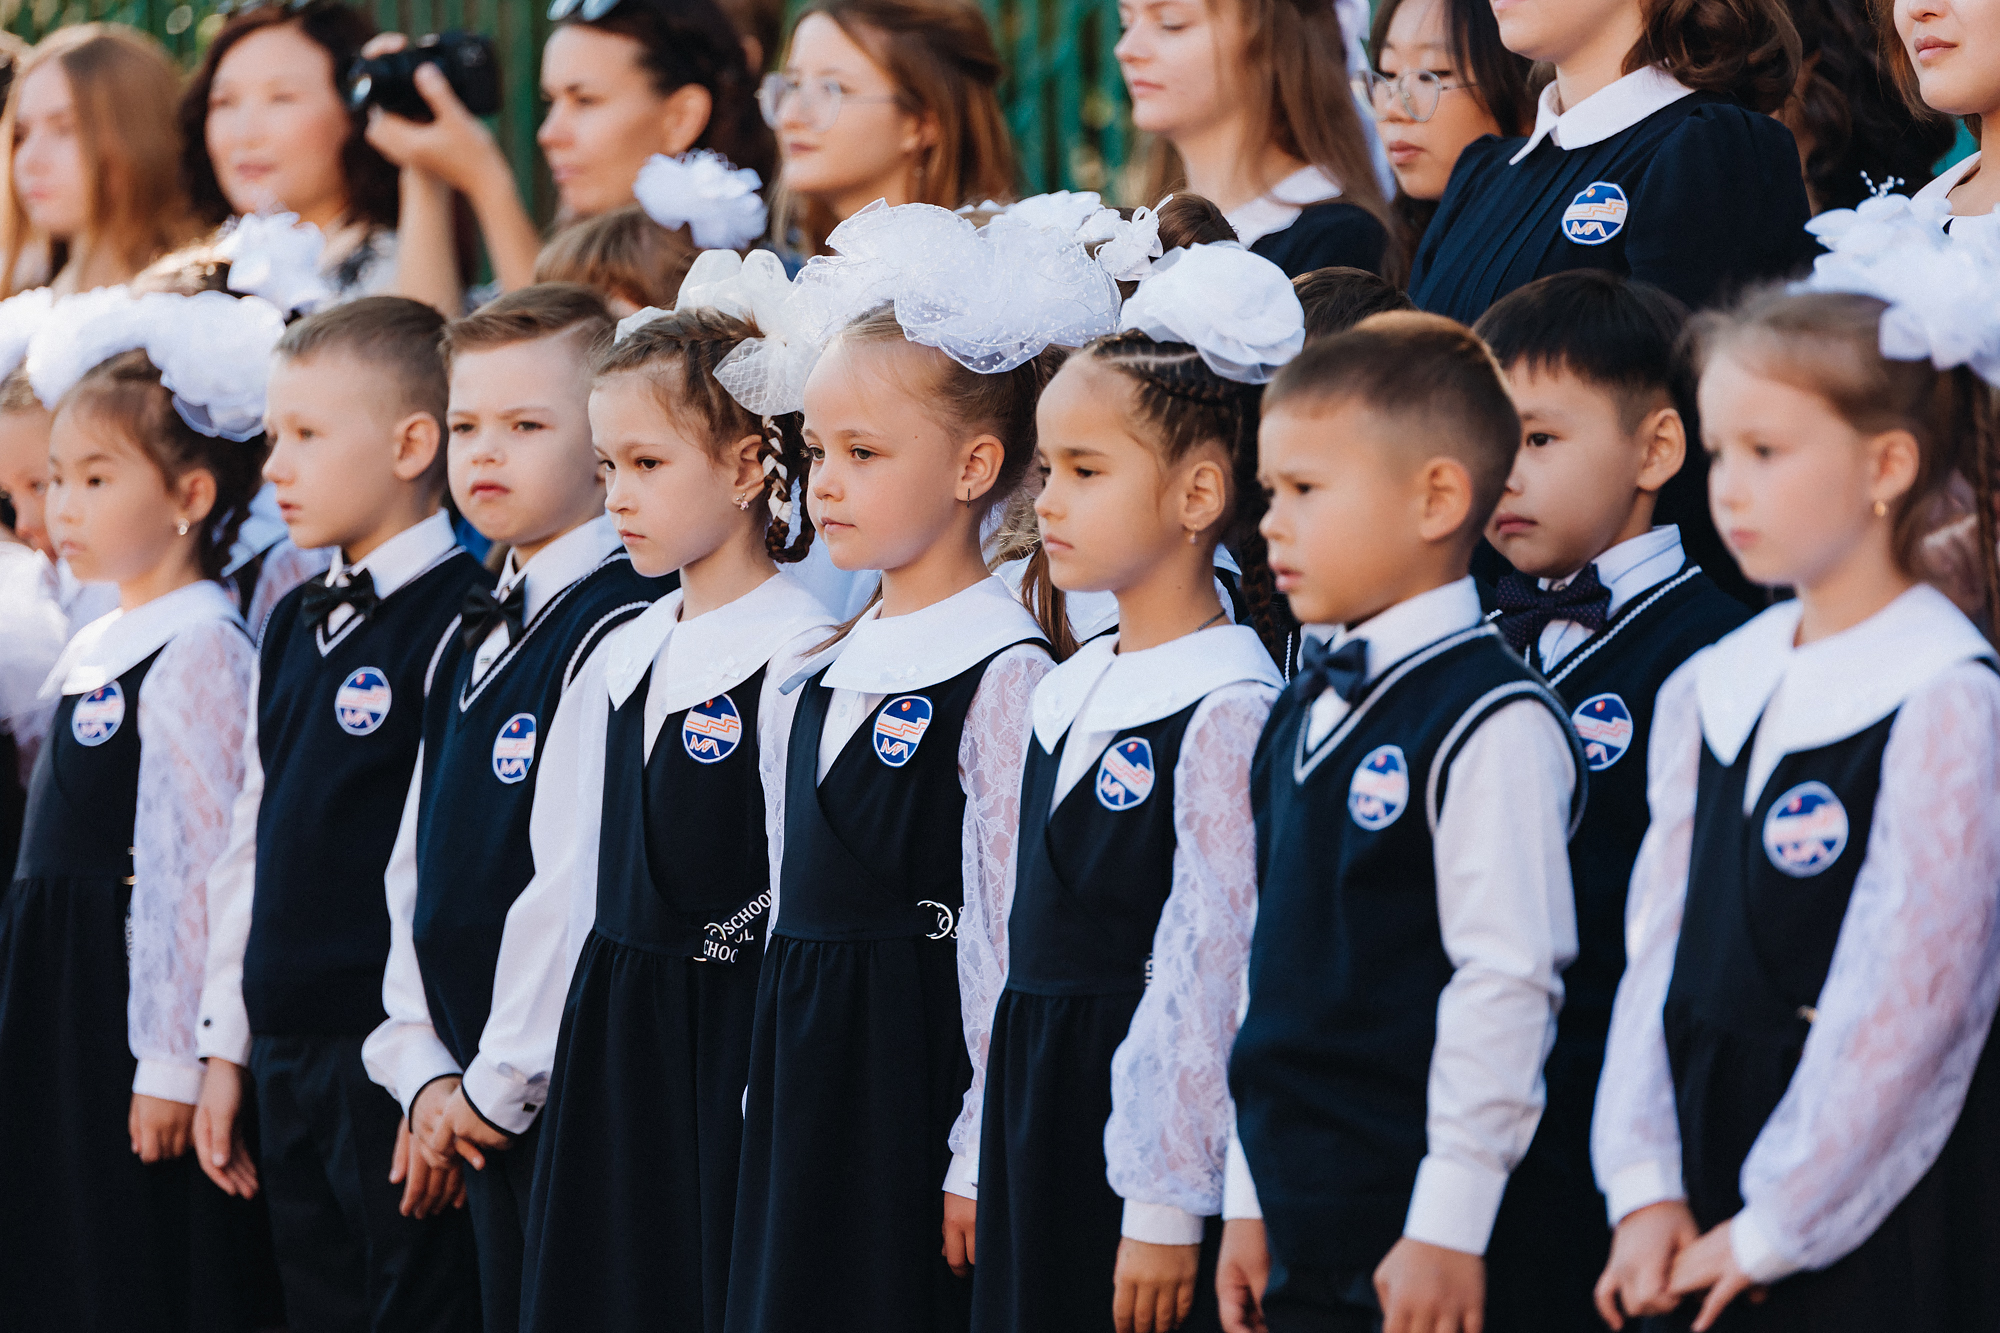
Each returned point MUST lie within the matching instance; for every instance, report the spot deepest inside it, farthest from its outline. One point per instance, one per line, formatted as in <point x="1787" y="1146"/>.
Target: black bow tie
<point x="1526" y="608"/>
<point x="318" y="600"/>
<point x="482" y="611"/>
<point x="1344" y="670"/>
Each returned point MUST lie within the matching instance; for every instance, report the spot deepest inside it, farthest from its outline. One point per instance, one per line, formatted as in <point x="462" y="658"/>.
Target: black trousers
<point x="1300" y="1300"/>
<point x="497" y="1201"/>
<point x="349" y="1260"/>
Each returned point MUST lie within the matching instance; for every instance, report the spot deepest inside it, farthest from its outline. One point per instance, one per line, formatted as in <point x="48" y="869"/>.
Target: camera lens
<point x="358" y="92"/>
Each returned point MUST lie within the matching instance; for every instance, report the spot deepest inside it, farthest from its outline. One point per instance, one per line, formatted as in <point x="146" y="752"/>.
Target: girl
<point x="1129" y="928"/>
<point x="1650" y="156"/>
<point x="103" y="934"/>
<point x="1245" y="101"/>
<point x="630" y="259"/>
<point x="1945" y="55"/>
<point x="1797" y="1090"/>
<point x="885" y="99"/>
<point x="94" y="152"/>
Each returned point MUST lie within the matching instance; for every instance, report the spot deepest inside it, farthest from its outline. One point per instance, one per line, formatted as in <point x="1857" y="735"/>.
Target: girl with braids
<point x="1106" y="1105"/>
<point x="651" y="835"/>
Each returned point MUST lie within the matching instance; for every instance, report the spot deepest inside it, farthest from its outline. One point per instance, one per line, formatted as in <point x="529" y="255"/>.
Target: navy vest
<point x="337" y="731"/>
<point x="1330" y="1071"/>
<point x="480" y="744"/>
<point x="83" y="796"/>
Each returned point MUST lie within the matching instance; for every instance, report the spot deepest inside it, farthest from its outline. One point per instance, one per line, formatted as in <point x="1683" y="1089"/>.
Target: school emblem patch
<point x="361" y="704"/>
<point x="1380" y="788"/>
<point x="1806" y="830"/>
<point x="1604" y="724"/>
<point x="899" y="727"/>
<point x="1596" y="214"/>
<point x="711" y="731"/>
<point x="1125" y="774"/>
<point x="514" y="748"/>
<point x="98" y="715"/>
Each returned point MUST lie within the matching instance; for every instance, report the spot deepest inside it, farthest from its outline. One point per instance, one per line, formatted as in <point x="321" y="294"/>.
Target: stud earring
<point x="743" y="501"/>
<point x="181" y="528"/>
<point x="1881" y="509"/>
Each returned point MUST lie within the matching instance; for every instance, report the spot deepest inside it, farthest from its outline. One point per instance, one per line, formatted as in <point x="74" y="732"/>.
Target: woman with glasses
<point x="885" y="99"/>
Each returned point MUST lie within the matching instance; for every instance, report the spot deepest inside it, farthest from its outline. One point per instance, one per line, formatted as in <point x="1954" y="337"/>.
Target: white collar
<point x="1632" y="566"/>
<point x="1093" y="613"/>
<point x="1278" y="207"/>
<point x="263" y="527"/>
<point x="1836" y="687"/>
<point x="1103" y="690"/>
<point x="910" y="652"/>
<point x="402" y="558"/>
<point x="111" y="645"/>
<point x="700" y="658"/>
<point x="1408" y="625"/>
<point x="1612" y="109"/>
<point x="559" y="564"/>
<point x="1949" y="181"/>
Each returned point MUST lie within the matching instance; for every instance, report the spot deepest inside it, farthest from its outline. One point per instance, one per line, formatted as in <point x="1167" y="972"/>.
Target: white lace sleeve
<point x="1908" y="1000"/>
<point x="193" y="708"/>
<point x="1635" y="1139"/>
<point x="285" y="567"/>
<point x="1168" y="1134"/>
<point x="991" y="755"/>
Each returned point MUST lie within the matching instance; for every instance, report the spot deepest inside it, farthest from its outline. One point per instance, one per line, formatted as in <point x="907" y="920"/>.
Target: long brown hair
<point x="125" y="90"/>
<point x="940" y="56"/>
<point x="1745" y="49"/>
<point x="1896" y="61"/>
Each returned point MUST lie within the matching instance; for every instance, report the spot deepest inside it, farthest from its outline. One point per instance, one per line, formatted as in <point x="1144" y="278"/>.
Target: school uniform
<point x="1690" y="191"/>
<point x="1105" y="1100"/>
<point x="665" y="775"/>
<point x="1301" y="224"/>
<point x="1942" y="186"/>
<point x="1800" y="1042"/>
<point x="36" y="632"/>
<point x="902" y="803"/>
<point x="101" y="956"/>
<point x="463" y="854"/>
<point x="1414" y="794"/>
<point x="1606" y="639"/>
<point x="301" y="934"/>
<point x="263" y="563"/>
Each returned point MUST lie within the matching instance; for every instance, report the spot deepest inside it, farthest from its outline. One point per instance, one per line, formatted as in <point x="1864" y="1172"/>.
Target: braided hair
<point x="678" y="354"/>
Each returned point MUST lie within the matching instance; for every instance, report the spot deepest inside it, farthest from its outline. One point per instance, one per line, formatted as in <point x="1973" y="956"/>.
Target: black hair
<point x="1621" y="335"/>
<point x="1336" y="299"/>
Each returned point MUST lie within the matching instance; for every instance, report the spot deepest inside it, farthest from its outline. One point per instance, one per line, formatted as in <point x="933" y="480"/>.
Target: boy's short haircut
<point x="393" y="333"/>
<point x="1338" y="298"/>
<point x="1432" y="376"/>
<point x="17" y="394"/>
<point x="1623" y="337"/>
<point x="622" y="253"/>
<point x="541" y="311"/>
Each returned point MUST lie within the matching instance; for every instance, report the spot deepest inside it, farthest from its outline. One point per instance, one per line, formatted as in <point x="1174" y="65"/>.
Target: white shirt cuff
<point x="404" y="1058"/>
<point x="224" y="1032"/>
<point x="1755" y="1254"/>
<point x="962" y="1177"/>
<point x="168" y="1080"/>
<point x="1642" y="1184"/>
<point x="506" y="1103"/>
<point x="1239" y="1191"/>
<point x="1160" y="1224"/>
<point x="1454" y="1204"/>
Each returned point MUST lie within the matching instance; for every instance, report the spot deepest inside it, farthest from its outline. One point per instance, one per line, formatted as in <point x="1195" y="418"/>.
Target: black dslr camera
<point x="466" y="59"/>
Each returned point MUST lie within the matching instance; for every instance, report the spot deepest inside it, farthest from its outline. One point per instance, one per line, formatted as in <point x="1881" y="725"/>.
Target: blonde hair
<point x="622" y="253"/>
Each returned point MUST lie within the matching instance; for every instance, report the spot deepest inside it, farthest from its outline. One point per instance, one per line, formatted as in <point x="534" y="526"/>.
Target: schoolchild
<point x="1106" y="1106"/>
<point x="1336" y="299"/>
<point x="301" y="933"/>
<point x="1652" y="155"/>
<point x="1606" y="604"/>
<point x="902" y="785"/>
<point x="521" y="471"/>
<point x="1794" y="1127"/>
<point x="1414" y="792"/>
<point x="103" y="931"/>
<point x="663" y="777"/>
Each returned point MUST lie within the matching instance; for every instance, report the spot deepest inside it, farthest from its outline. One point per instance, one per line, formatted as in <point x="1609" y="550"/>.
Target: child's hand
<point x="1643" y="1250"/>
<point x="1710" y="1265"/>
<point x="426" y="1113"/>
<point x="218" y="1130"/>
<point x="160" y="1129"/>
<point x="1241" y="1273"/>
<point x="1152" y="1286"/>
<point x="1425" y="1287"/>
<point x="961" y="1216"/>
<point x="459" y="1129"/>
<point x="427" y="1189"/>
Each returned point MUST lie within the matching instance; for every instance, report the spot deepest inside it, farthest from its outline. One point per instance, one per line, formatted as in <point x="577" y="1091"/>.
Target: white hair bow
<point x="703" y="191"/>
<point x="1236" y="308"/>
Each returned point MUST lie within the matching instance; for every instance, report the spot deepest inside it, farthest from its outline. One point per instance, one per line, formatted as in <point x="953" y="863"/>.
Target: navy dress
<point x="1333" y="234"/>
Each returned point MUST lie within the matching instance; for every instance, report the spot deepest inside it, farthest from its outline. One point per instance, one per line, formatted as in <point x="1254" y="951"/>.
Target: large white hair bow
<point x="703" y="191"/>
<point x="1236" y="308"/>
<point x="1125" y="247"/>
<point x="277" y="257"/>
<point x="20" y="316"/>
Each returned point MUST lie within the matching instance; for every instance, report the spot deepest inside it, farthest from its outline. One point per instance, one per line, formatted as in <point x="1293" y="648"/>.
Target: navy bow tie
<point x="482" y="611"/>
<point x="1344" y="670"/>
<point x="1527" y="608"/>
<point x="318" y="601"/>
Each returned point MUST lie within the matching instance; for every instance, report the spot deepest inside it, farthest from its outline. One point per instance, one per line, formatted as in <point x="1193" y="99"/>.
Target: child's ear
<point x="1898" y="458"/>
<point x="983" y="459"/>
<point x="417" y="440"/>
<point x="748" y="455"/>
<point x="1205" y="496"/>
<point x="194" y="495"/>
<point x="1444" y="499"/>
<point x="1663" y="436"/>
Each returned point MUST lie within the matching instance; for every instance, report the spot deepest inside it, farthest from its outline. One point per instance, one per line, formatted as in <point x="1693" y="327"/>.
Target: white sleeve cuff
<point x="1755" y="1254"/>
<point x="404" y="1058"/>
<point x="508" y="1104"/>
<point x="1160" y="1224"/>
<point x="224" y="1032"/>
<point x="962" y="1178"/>
<point x="1454" y="1204"/>
<point x="1239" y="1191"/>
<point x="1642" y="1184"/>
<point x="168" y="1080"/>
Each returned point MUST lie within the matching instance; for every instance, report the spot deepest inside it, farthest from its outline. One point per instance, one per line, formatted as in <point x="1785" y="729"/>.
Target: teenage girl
<point x="1670" y="173"/>
<point x="102" y="937"/>
<point x="680" y="724"/>
<point x="1945" y="55"/>
<point x="1798" y="1092"/>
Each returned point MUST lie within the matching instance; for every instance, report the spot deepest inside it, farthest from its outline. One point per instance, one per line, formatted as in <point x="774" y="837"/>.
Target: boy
<point x="299" y="928"/>
<point x="1414" y="791"/>
<point x="1605" y="605"/>
<point x="523" y="473"/>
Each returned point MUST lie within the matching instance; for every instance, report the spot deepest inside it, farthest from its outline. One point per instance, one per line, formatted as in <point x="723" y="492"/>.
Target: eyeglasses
<point x="229" y="9"/>
<point x="820" y="100"/>
<point x="588" y="10"/>
<point x="1417" y="89"/>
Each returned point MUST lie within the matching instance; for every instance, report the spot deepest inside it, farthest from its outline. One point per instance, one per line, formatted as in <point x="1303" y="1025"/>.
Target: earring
<point x="181" y="528"/>
<point x="1192" y="534"/>
<point x="1881" y="509"/>
<point x="743" y="501"/>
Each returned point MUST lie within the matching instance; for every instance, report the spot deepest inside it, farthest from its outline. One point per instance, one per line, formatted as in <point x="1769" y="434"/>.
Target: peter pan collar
<point x="701" y="658"/>
<point x="910" y="652"/>
<point x="111" y="645"/>
<point x="1278" y="207"/>
<point x="1838" y="686"/>
<point x="1610" y="110"/>
<point x="1949" y="179"/>
<point x="1102" y="690"/>
<point x="559" y="564"/>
